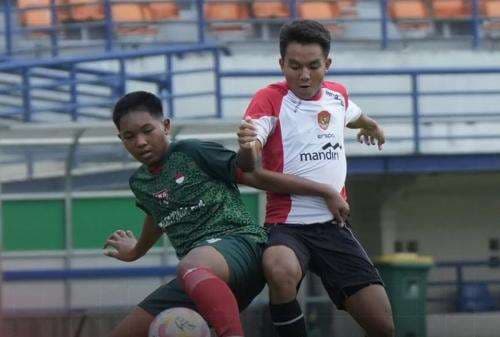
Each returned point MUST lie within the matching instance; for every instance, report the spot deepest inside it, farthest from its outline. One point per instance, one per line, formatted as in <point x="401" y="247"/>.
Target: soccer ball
<point x="179" y="322"/>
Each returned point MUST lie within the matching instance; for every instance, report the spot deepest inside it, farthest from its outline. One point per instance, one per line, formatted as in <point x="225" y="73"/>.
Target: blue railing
<point x="460" y="280"/>
<point x="35" y="275"/>
<point x="108" y="29"/>
<point x="415" y="94"/>
<point x="74" y="72"/>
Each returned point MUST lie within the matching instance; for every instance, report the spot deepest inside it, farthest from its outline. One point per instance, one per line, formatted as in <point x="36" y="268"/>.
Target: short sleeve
<point x="353" y="112"/>
<point x="142" y="207"/>
<point x="213" y="158"/>
<point x="264" y="110"/>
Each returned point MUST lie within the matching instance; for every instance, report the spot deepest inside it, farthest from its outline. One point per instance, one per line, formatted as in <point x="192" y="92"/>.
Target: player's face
<point x="144" y="136"/>
<point x="304" y="67"/>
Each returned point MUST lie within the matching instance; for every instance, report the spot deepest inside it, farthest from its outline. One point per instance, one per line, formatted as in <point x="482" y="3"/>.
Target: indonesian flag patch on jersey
<point x="179" y="178"/>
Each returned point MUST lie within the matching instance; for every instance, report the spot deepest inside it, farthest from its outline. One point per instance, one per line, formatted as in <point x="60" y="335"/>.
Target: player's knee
<point x="384" y="328"/>
<point x="281" y="272"/>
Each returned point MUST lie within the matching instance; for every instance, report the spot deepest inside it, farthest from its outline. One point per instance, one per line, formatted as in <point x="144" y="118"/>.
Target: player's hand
<point x="121" y="246"/>
<point x="247" y="134"/>
<point x="370" y="135"/>
<point x="338" y="207"/>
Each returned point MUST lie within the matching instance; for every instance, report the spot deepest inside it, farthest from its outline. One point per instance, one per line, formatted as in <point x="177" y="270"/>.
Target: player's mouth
<point x="146" y="155"/>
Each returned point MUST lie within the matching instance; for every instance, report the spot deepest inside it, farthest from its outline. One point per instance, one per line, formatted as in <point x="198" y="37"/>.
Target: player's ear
<point x="328" y="63"/>
<point x="282" y="64"/>
<point x="166" y="125"/>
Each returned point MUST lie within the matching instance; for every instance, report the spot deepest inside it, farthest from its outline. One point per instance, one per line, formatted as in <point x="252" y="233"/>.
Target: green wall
<point x="39" y="224"/>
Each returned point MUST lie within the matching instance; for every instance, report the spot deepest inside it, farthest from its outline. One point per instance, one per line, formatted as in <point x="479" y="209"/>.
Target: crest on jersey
<point x="161" y="197"/>
<point x="324" y="119"/>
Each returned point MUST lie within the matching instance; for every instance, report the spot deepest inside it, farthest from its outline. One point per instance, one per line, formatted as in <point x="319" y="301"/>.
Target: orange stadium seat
<point x="451" y="9"/>
<point x="321" y="10"/>
<point x="38" y="17"/>
<point x="86" y="10"/>
<point x="219" y="10"/>
<point x="264" y="9"/>
<point x="131" y="12"/>
<point x="124" y="13"/>
<point x="403" y="11"/>
<point x="492" y="15"/>
<point x="160" y="11"/>
<point x="348" y="7"/>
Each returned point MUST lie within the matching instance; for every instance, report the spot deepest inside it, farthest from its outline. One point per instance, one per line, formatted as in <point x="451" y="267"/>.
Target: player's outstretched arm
<point x="370" y="131"/>
<point x="125" y="247"/>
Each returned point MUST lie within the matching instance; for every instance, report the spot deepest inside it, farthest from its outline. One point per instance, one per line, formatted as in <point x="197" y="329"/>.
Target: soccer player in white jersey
<point x="297" y="127"/>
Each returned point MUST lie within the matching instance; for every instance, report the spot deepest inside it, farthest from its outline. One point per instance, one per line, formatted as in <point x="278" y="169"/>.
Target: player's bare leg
<point x="135" y="324"/>
<point x="204" y="272"/>
<point x="283" y="274"/>
<point x="371" y="308"/>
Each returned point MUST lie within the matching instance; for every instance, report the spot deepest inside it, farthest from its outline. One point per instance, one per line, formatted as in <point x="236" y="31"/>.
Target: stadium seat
<point x="34" y="17"/>
<point x="348" y="8"/>
<point x="135" y="13"/>
<point x="451" y="9"/>
<point x="220" y="10"/>
<point x="86" y="10"/>
<point x="161" y="11"/>
<point x="264" y="9"/>
<point x="402" y="12"/>
<point x="492" y="16"/>
<point x="321" y="10"/>
<point x="475" y="297"/>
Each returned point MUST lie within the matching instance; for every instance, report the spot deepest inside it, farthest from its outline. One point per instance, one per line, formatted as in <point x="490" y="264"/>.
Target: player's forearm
<point x="363" y="122"/>
<point x="149" y="235"/>
<point x="247" y="159"/>
<point x="286" y="183"/>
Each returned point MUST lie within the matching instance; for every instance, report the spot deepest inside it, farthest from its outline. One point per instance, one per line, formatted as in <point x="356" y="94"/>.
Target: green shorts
<point x="244" y="258"/>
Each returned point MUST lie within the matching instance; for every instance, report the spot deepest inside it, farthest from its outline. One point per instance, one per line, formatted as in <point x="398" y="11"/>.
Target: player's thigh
<point x="243" y="256"/>
<point x="371" y="308"/>
<point x="285" y="256"/>
<point x="339" y="259"/>
<point x="135" y="324"/>
<point x="207" y="257"/>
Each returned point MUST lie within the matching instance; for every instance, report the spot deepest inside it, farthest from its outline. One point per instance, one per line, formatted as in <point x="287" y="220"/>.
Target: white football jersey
<point x="304" y="138"/>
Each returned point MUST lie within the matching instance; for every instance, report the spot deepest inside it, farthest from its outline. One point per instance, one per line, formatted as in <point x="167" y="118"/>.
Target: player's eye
<point x="148" y="130"/>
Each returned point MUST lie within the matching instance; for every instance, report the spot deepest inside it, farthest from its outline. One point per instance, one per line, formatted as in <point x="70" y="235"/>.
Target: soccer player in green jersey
<point x="188" y="191"/>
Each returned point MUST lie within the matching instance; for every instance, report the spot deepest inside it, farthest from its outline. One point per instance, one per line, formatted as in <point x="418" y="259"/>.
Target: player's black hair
<point x="305" y="32"/>
<point x="137" y="101"/>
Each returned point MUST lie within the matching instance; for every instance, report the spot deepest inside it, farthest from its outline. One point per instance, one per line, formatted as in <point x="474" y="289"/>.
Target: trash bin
<point x="405" y="278"/>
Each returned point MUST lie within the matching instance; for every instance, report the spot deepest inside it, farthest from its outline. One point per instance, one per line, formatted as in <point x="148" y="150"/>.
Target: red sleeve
<point x="337" y="87"/>
<point x="267" y="101"/>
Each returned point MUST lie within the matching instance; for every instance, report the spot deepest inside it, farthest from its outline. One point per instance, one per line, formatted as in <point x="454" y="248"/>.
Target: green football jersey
<point x="194" y="197"/>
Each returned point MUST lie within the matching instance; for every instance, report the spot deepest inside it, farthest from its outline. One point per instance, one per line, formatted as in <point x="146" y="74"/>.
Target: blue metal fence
<point x="66" y="75"/>
<point x="458" y="282"/>
<point x="381" y="25"/>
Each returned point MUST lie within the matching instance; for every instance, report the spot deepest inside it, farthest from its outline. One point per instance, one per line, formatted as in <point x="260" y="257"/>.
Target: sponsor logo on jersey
<point x="161" y="197"/>
<point x="326" y="135"/>
<point x="324" y="119"/>
<point x="179" y="178"/>
<point x="329" y="153"/>
<point x="179" y="214"/>
<point x="335" y="96"/>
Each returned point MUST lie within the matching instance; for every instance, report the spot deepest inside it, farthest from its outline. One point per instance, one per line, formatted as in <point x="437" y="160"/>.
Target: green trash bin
<point x="405" y="278"/>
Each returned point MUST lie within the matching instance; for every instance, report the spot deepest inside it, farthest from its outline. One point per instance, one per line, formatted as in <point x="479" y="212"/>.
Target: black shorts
<point x="334" y="254"/>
